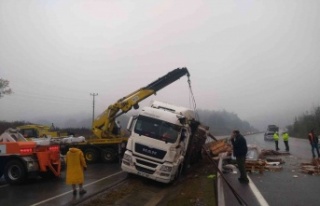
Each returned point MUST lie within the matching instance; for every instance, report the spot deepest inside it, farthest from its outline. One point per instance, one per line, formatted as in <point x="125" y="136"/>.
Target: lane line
<point x="62" y="194"/>
<point x="257" y="193"/>
<point x="6" y="185"/>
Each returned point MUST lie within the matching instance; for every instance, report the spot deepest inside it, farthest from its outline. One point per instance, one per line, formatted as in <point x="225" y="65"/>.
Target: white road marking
<point x="257" y="193"/>
<point x="49" y="199"/>
<point x="6" y="185"/>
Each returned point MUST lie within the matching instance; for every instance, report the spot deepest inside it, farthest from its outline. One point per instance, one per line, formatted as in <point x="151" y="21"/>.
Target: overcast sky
<point x="258" y="59"/>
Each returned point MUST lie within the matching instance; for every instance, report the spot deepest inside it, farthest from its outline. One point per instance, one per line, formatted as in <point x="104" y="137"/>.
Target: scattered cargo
<point x="220" y="146"/>
<point x="257" y="160"/>
<point x="255" y="166"/>
<point x="312" y="168"/>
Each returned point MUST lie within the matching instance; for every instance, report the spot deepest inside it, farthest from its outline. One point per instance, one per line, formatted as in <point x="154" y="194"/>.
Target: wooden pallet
<point x="219" y="146"/>
<point x="255" y="166"/>
<point x="312" y="168"/>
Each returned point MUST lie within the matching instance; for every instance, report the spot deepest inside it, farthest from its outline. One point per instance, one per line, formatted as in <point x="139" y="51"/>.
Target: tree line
<point x="304" y="123"/>
<point x="219" y="122"/>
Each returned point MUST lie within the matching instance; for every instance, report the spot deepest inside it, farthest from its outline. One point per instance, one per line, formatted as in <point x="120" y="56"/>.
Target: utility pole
<point x="93" y="96"/>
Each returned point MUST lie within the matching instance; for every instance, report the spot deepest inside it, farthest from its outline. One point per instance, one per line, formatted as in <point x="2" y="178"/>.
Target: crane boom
<point x="104" y="124"/>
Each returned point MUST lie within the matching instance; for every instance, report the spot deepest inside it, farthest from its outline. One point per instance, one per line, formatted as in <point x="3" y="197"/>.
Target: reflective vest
<point x="276" y="136"/>
<point x="285" y="136"/>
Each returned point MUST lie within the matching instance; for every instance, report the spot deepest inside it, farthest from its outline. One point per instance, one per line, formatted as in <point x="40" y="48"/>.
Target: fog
<point x="258" y="59"/>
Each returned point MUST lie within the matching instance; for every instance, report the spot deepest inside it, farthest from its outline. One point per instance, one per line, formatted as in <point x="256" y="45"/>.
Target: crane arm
<point x="104" y="124"/>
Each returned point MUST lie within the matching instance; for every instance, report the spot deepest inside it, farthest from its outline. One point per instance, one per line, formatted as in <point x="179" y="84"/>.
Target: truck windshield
<point x="273" y="128"/>
<point x="157" y="129"/>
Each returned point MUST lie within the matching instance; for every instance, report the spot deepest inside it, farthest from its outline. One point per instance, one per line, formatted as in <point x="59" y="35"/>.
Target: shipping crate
<point x="255" y="166"/>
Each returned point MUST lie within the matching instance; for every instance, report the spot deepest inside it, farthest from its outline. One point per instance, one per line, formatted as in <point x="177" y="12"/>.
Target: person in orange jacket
<point x="76" y="165"/>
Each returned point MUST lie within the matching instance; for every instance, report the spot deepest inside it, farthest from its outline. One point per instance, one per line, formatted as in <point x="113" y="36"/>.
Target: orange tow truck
<point x="21" y="159"/>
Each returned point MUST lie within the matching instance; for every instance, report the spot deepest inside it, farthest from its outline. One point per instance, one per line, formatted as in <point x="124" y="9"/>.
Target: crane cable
<point x="192" y="100"/>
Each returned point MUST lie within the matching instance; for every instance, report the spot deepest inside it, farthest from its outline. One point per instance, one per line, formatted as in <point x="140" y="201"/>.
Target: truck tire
<point x="178" y="174"/>
<point x="108" y="155"/>
<point x="15" y="172"/>
<point x="91" y="155"/>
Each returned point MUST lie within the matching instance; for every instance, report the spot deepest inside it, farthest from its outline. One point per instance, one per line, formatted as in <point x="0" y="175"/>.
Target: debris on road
<point x="312" y="168"/>
<point x="257" y="160"/>
<point x="255" y="166"/>
<point x="272" y="152"/>
<point x="219" y="146"/>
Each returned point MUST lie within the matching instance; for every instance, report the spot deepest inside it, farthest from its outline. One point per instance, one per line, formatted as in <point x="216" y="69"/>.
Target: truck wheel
<point x="91" y="155"/>
<point x="108" y="155"/>
<point x="178" y="174"/>
<point x="15" y="172"/>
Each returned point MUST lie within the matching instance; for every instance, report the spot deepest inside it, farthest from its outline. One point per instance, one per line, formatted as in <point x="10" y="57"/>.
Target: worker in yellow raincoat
<point x="75" y="164"/>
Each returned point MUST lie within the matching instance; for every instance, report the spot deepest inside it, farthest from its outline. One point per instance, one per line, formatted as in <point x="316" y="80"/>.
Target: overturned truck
<point x="165" y="140"/>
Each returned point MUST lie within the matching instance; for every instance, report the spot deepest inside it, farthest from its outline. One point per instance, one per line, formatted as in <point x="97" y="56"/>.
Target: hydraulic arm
<point x="104" y="124"/>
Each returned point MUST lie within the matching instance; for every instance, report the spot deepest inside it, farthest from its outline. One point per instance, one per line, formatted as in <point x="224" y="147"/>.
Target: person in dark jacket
<point x="240" y="150"/>
<point x="313" y="139"/>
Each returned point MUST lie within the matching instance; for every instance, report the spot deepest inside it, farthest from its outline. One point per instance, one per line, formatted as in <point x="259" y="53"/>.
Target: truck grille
<point x="141" y="169"/>
<point x="146" y="163"/>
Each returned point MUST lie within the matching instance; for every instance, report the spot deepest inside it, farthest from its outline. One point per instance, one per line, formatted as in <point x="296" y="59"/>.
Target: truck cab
<point x="271" y="129"/>
<point x="159" y="142"/>
<point x="32" y="131"/>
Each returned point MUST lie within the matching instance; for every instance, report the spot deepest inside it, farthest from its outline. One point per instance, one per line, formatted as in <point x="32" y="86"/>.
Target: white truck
<point x="164" y="141"/>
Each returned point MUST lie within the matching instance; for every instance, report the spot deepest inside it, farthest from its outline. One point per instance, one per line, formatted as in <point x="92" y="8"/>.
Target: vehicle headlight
<point x="127" y="159"/>
<point x="165" y="168"/>
<point x="30" y="164"/>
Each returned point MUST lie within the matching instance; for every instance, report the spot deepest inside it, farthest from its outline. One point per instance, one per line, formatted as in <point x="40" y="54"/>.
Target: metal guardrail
<point x="220" y="191"/>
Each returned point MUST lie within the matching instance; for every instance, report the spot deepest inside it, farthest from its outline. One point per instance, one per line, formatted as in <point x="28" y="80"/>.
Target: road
<point x="299" y="148"/>
<point x="278" y="188"/>
<point x="288" y="187"/>
<point x="55" y="192"/>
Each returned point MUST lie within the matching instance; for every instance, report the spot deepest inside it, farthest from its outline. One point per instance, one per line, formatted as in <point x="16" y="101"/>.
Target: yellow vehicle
<point x="38" y="131"/>
<point x="108" y="144"/>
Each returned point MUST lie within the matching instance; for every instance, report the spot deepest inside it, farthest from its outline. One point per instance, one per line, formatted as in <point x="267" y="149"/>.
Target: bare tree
<point x="4" y="87"/>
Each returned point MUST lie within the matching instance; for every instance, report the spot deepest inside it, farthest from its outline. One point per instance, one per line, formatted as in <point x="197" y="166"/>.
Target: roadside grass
<point x="197" y="189"/>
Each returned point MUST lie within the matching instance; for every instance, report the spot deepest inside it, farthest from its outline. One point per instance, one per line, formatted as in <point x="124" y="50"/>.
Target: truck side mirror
<point x="130" y="122"/>
<point x="129" y="125"/>
<point x="182" y="120"/>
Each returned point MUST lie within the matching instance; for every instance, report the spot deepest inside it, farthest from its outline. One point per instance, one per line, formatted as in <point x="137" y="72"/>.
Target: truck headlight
<point x="127" y="159"/>
<point x="30" y="164"/>
<point x="165" y="168"/>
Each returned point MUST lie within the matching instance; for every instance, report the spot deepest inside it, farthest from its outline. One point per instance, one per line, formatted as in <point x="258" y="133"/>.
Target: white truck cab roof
<point x="186" y="112"/>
